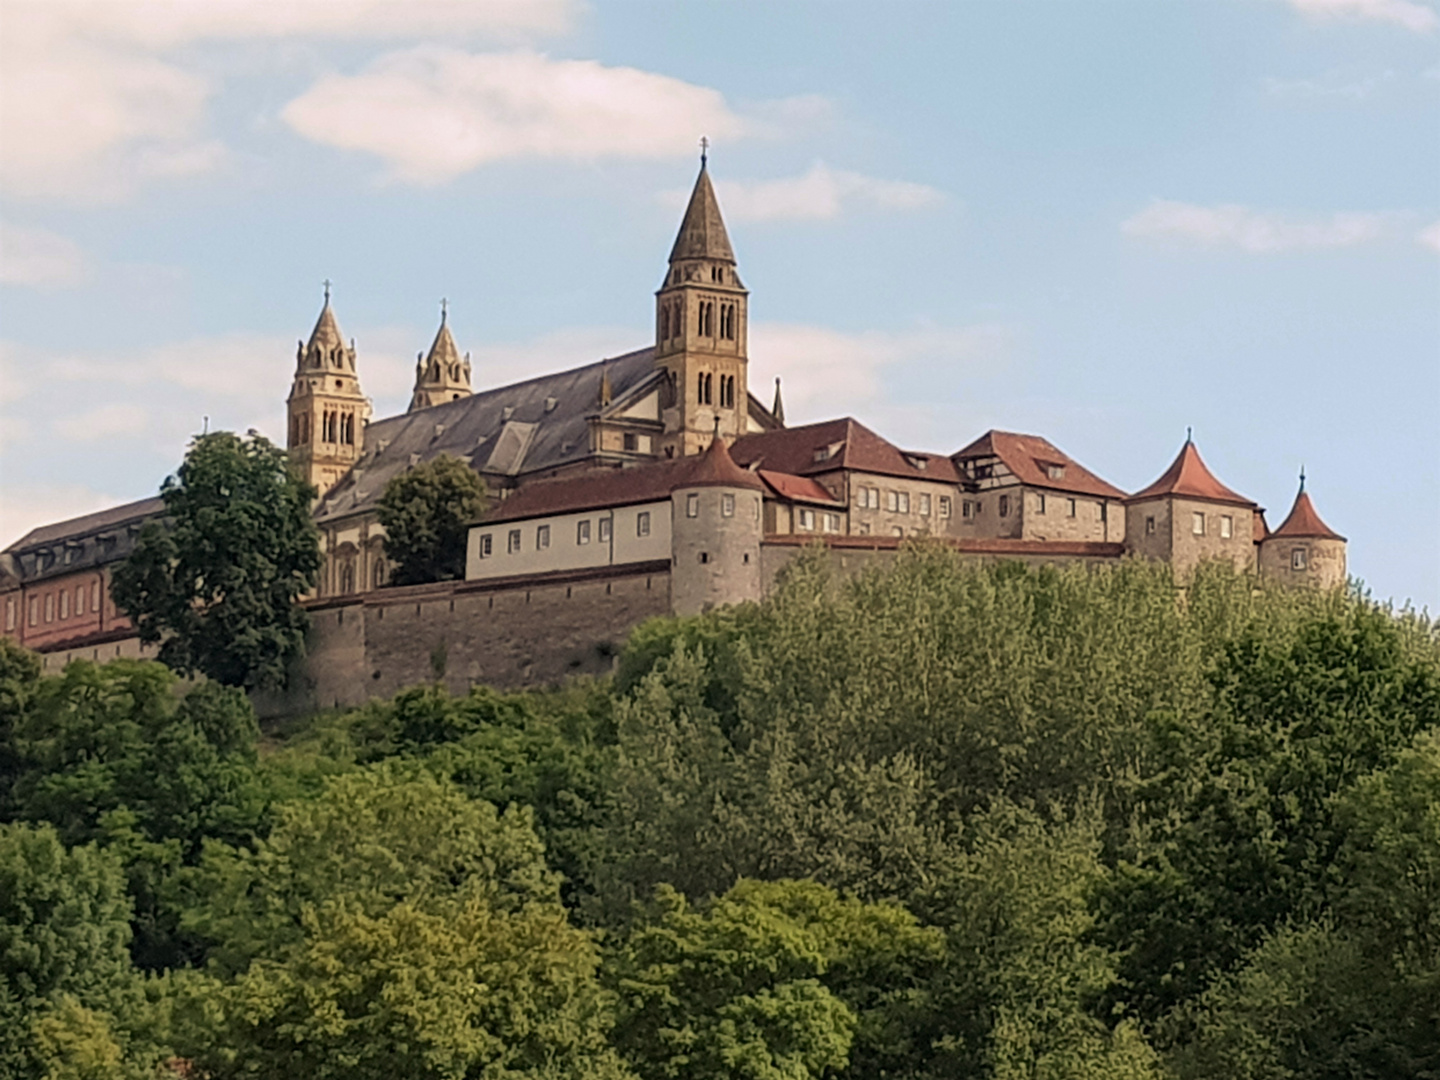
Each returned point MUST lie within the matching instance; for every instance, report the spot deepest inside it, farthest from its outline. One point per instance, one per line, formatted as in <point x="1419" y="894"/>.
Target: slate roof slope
<point x="1189" y="476"/>
<point x="599" y="489"/>
<point x="845" y="444"/>
<point x="82" y="543"/>
<point x="512" y="420"/>
<point x="702" y="230"/>
<point x="73" y="528"/>
<point x="1304" y="523"/>
<point x="1028" y="458"/>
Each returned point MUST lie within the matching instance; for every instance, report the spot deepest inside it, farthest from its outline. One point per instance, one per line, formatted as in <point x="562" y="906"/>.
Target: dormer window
<point x="1055" y="472"/>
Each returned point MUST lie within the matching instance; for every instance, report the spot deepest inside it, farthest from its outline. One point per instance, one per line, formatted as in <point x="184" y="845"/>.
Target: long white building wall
<point x="568" y="547"/>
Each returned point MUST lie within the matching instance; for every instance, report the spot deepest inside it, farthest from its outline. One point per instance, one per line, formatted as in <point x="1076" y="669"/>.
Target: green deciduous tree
<point x="427" y="513"/>
<point x="215" y="584"/>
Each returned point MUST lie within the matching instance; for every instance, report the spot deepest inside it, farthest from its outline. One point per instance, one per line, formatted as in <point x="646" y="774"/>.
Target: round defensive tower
<point x="1304" y="550"/>
<point x="716" y="517"/>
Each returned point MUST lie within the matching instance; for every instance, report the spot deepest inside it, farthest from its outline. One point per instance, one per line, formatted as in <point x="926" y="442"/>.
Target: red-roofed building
<point x="1188" y="515"/>
<point x="1304" y="550"/>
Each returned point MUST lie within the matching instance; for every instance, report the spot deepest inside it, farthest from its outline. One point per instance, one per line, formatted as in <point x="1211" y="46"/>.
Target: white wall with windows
<point x="577" y="541"/>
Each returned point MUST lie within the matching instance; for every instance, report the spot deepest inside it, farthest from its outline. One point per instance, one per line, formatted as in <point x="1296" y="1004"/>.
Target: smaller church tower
<point x="715" y="529"/>
<point x="442" y="375"/>
<point x="327" y="411"/>
<point x="1304" y="550"/>
<point x="701" y="323"/>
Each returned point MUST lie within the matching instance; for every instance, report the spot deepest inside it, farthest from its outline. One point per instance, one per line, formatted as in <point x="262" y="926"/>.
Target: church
<point x="658" y="466"/>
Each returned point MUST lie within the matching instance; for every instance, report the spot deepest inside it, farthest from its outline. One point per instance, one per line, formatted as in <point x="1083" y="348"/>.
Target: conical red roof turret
<point x="1188" y="476"/>
<point x="716" y="468"/>
<point x="1304" y="522"/>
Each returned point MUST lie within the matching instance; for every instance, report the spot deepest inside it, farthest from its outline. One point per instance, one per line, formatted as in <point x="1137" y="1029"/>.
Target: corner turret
<point x="716" y="529"/>
<point x="1304" y="550"/>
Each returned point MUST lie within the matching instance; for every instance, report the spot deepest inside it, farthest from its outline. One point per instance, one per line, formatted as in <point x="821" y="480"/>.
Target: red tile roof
<point x="599" y="488"/>
<point x="798" y="488"/>
<point x="969" y="545"/>
<point x="1029" y="458"/>
<point x="1261" y="527"/>
<point x="1305" y="522"/>
<point x="1188" y="476"/>
<point x="838" y="444"/>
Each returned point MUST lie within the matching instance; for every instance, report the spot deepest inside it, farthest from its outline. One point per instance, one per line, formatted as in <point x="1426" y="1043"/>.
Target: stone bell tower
<point x="327" y="411"/>
<point x="701" y="322"/>
<point x="442" y="375"/>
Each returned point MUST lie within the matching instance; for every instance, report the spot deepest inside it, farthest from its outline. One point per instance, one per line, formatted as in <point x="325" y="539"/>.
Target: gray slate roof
<point x="507" y="431"/>
<point x="97" y="539"/>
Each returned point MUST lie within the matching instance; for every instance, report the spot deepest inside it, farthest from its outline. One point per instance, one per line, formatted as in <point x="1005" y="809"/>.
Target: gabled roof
<point x="1189" y="477"/>
<point x="82" y="543"/>
<point x="1030" y="459"/>
<point x="837" y="444"/>
<point x="702" y="230"/>
<point x="598" y="489"/>
<point x="798" y="488"/>
<point x="1305" y="523"/>
<point x="526" y="427"/>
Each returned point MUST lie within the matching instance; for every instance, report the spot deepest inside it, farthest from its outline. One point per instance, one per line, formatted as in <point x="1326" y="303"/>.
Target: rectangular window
<point x="904" y="502"/>
<point x="49" y="607"/>
<point x="756" y="514"/>
<point x="542" y="537"/>
<point x="1227" y="526"/>
<point x="892" y="501"/>
<point x="512" y="542"/>
<point x="642" y="523"/>
<point x="486" y="545"/>
<point x="9" y="614"/>
<point x="967" y="509"/>
<point x="830" y="522"/>
<point x="79" y="599"/>
<point x="95" y="597"/>
<point x="1299" y="559"/>
<point x="727" y="505"/>
<point x="1071" y="507"/>
<point x="632" y="441"/>
<point x="34" y="610"/>
<point x="944" y="506"/>
<point x="605" y="530"/>
<point x="1040" y="503"/>
<point x="924" y="505"/>
<point x="1197" y="523"/>
<point x="807" y="519"/>
<point x="1004" y="505"/>
<point x="64" y="604"/>
<point x="692" y="505"/>
<point x="582" y="532"/>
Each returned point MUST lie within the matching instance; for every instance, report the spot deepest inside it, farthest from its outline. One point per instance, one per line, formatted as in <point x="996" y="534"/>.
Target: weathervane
<point x="1302" y="477"/>
<point x="444" y="308"/>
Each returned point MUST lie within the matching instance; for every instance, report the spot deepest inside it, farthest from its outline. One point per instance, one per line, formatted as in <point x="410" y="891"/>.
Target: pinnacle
<point x="443" y="348"/>
<point x="702" y="230"/>
<point x="326" y="334"/>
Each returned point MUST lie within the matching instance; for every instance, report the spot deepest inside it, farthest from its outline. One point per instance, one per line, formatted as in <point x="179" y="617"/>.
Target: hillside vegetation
<point x="943" y="820"/>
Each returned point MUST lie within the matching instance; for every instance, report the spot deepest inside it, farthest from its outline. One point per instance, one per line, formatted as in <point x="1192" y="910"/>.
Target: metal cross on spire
<point x="326" y="283"/>
<point x="704" y="149"/>
<point x="444" y="308"/>
<point x="1302" y="477"/>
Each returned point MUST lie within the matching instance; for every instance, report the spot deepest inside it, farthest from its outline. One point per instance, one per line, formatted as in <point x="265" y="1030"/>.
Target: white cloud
<point x="1429" y="236"/>
<point x="1232" y="226"/>
<point x="1328" y="87"/>
<point x="93" y="107"/>
<point x="38" y="257"/>
<point x="116" y="419"/>
<point x="432" y="114"/>
<point x="821" y="193"/>
<point x="1406" y="13"/>
<point x="28" y="506"/>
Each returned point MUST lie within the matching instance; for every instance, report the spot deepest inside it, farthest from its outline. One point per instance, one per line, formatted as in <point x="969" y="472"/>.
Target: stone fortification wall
<point x="505" y="633"/>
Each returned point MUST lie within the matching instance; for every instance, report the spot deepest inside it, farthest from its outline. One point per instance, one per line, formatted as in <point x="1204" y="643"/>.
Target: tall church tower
<point x="327" y="411"/>
<point x="701" y="323"/>
<point x="442" y="375"/>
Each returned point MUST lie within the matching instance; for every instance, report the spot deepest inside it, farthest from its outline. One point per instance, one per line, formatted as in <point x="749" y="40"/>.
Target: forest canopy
<point x="941" y="820"/>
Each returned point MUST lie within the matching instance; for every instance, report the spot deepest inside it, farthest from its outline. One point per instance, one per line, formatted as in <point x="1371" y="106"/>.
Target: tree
<point x="216" y="584"/>
<point x="427" y="513"/>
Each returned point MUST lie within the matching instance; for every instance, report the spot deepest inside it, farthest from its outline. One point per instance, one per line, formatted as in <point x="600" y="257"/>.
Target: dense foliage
<point x="427" y="512"/>
<point x="215" y="585"/>
<point x="939" y="821"/>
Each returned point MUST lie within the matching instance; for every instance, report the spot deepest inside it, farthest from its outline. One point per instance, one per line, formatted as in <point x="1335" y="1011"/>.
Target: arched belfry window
<point x="664" y="322"/>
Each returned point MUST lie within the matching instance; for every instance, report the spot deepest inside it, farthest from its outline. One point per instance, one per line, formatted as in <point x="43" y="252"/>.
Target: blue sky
<point x="1099" y="221"/>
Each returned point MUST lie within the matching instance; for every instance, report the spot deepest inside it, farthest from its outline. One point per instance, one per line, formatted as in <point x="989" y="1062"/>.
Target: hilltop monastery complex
<point x="651" y="483"/>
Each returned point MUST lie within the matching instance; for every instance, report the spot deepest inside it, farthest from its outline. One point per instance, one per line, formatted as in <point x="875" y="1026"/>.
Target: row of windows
<point x="672" y="320"/>
<point x="1071" y="506"/>
<point x="1199" y="526"/>
<point x="829" y="523"/>
<point x="335" y="427"/>
<point x="515" y="543"/>
<point x="56" y="605"/>
<point x="898" y="502"/>
<point x="705" y="390"/>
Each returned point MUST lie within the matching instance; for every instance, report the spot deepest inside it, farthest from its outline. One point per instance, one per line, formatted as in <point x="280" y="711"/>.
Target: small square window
<point x="605" y="530"/>
<point x="582" y="532"/>
<point x="692" y="505"/>
<point x="1197" y="523"/>
<point x="632" y="441"/>
<point x="486" y="545"/>
<point x="924" y="505"/>
<point x="967" y="509"/>
<point x="727" y="505"/>
<point x="512" y="542"/>
<point x="807" y="519"/>
<point x="642" y="523"/>
<point x="1227" y="526"/>
<point x="944" y="506"/>
<point x="1299" y="559"/>
<point x="1149" y="526"/>
<point x="542" y="537"/>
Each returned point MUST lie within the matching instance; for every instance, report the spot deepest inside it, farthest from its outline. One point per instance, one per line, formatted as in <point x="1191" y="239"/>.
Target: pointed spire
<point x="326" y="334"/>
<point x="702" y="231"/>
<point x="1188" y="475"/>
<point x="1303" y="521"/>
<point x="440" y="375"/>
<point x="607" y="392"/>
<point x="778" y="409"/>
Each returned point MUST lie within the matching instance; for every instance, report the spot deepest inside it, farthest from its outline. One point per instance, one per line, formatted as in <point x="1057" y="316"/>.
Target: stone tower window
<point x="692" y="505"/>
<point x="664" y="322"/>
<point x="1197" y="523"/>
<point x="727" y="505"/>
<point x="1299" y="559"/>
<point x="1149" y="526"/>
<point x="1071" y="507"/>
<point x="1004" y="505"/>
<point x="1227" y="526"/>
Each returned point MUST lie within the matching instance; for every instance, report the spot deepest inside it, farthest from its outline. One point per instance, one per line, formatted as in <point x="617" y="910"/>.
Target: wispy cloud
<point x="28" y="506"/>
<point x="821" y="193"/>
<point x="431" y="114"/>
<point x="1417" y="17"/>
<point x="40" y="258"/>
<point x="1328" y="87"/>
<point x="1429" y="236"/>
<point x="116" y="419"/>
<point x="1258" y="231"/>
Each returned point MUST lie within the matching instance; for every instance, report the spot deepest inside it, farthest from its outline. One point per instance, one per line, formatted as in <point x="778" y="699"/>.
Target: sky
<point x="1105" y="222"/>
